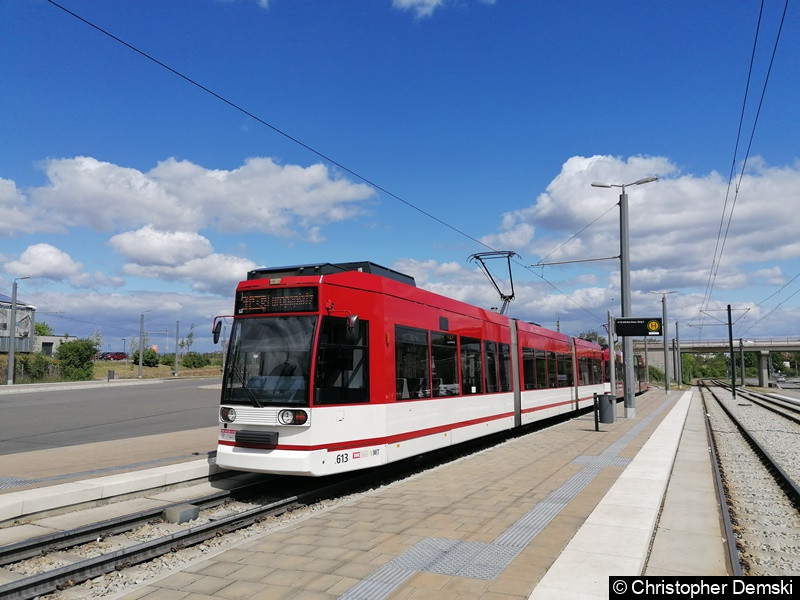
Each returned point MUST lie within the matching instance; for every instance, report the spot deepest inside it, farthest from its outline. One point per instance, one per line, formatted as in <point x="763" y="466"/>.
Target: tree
<point x="186" y="343"/>
<point x="593" y="336"/>
<point x="75" y="359"/>
<point x="42" y="329"/>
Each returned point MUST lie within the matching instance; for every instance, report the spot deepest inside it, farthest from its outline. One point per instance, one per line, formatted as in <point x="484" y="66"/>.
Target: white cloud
<point x="675" y="224"/>
<point x="422" y="8"/>
<point x="86" y="192"/>
<point x="117" y="315"/>
<point x="149" y="246"/>
<point x="17" y="215"/>
<point x="182" y="196"/>
<point x="771" y="276"/>
<point x="674" y="227"/>
<point x="215" y="273"/>
<point x="262" y="195"/>
<point x="48" y="262"/>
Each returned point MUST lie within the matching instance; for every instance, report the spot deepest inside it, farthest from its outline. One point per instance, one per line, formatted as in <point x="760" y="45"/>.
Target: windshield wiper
<point x="253" y="400"/>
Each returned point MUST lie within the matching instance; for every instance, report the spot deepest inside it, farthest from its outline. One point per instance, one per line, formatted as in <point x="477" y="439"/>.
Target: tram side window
<point x="490" y="350"/>
<point x="412" y="363"/>
<point x="471" y="373"/>
<point x="541" y="369"/>
<point x="342" y="374"/>
<point x="583" y="371"/>
<point x="528" y="368"/>
<point x="597" y="370"/>
<point x="552" y="372"/>
<point x="565" y="374"/>
<point x="505" y="367"/>
<point x="444" y="350"/>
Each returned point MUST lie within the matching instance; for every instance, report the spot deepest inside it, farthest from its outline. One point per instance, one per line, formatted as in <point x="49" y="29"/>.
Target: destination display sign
<point x="636" y="326"/>
<point x="276" y="300"/>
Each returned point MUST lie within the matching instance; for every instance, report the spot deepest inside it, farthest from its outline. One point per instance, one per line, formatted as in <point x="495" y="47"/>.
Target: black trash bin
<point x="607" y="408"/>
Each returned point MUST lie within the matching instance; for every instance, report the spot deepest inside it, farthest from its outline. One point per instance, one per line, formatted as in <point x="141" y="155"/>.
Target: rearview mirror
<point x="352" y="328"/>
<point x="217" y="330"/>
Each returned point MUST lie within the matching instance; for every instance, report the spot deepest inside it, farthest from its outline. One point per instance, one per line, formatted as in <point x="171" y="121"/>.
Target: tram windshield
<point x="269" y="361"/>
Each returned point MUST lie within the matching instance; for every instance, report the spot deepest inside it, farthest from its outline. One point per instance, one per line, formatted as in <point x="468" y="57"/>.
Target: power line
<point x="297" y="141"/>
<point x="722" y="238"/>
<point x="277" y="130"/>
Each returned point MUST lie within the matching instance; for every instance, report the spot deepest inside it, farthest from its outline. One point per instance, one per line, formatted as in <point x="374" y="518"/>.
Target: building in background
<point x="25" y="317"/>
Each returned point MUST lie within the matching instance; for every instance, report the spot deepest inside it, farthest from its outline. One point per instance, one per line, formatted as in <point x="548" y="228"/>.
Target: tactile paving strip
<point x="10" y="482"/>
<point x="486" y="561"/>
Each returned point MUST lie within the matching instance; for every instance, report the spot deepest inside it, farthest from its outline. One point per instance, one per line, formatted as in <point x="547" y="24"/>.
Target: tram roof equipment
<point x="330" y="269"/>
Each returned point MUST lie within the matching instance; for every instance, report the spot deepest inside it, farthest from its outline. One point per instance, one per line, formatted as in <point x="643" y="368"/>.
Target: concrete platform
<point x="549" y="515"/>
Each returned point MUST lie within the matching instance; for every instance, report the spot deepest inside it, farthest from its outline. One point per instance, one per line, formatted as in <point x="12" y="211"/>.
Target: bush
<point x="75" y="359"/>
<point x="36" y="367"/>
<point x="193" y="360"/>
<point x="654" y="373"/>
<point x="149" y="358"/>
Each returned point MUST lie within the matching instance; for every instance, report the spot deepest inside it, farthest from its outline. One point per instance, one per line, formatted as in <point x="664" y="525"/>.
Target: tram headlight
<point x="227" y="415"/>
<point x="292" y="417"/>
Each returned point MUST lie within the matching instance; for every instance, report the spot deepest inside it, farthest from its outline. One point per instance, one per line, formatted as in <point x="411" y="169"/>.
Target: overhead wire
<point x="274" y="128"/>
<point x="297" y="141"/>
<point x="714" y="264"/>
<point x="722" y="238"/>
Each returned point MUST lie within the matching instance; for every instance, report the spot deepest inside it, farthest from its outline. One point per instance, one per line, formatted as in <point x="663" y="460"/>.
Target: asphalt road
<point x="67" y="416"/>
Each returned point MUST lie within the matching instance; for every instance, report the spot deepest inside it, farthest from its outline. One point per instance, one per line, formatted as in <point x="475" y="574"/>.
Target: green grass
<point x="131" y="370"/>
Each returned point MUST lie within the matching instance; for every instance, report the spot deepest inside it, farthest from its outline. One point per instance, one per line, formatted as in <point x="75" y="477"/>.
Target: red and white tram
<point x="337" y="367"/>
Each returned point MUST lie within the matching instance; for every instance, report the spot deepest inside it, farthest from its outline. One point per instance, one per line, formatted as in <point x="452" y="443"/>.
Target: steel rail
<point x="785" y="408"/>
<point x="70" y="575"/>
<point x="732" y="553"/>
<point x="789" y="485"/>
<point x="59" y="540"/>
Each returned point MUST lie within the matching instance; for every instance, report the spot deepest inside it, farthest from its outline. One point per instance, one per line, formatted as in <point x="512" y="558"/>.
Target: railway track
<point x="755" y="448"/>
<point x="61" y="560"/>
<point x="787" y="407"/>
<point x="113" y="544"/>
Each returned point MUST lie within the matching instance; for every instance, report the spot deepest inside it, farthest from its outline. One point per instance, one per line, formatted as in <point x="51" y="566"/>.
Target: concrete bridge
<point x="654" y="349"/>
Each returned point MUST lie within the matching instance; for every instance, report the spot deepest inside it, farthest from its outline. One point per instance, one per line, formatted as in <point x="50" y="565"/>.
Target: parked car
<point x="101" y="355"/>
<point x="116" y="356"/>
<point x="781" y="379"/>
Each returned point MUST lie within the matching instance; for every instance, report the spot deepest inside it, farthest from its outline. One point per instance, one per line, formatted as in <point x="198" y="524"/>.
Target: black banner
<point x="701" y="588"/>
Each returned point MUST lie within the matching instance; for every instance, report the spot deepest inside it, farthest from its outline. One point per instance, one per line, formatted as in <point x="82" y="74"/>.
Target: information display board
<point x="277" y="300"/>
<point x="636" y="326"/>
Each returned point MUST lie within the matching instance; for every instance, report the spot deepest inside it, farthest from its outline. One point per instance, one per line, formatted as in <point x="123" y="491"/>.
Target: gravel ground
<point x="767" y="525"/>
<point x="121" y="583"/>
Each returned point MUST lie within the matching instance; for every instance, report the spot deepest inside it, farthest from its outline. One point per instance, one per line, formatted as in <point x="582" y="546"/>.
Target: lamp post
<point x="12" y="331"/>
<point x="665" y="337"/>
<point x="625" y="285"/>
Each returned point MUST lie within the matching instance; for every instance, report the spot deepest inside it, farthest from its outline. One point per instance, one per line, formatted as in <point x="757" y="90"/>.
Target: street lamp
<point x="12" y="331"/>
<point x="665" y="338"/>
<point x="625" y="285"/>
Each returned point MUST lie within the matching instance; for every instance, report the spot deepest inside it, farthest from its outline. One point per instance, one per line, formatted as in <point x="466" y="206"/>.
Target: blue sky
<point x="412" y="133"/>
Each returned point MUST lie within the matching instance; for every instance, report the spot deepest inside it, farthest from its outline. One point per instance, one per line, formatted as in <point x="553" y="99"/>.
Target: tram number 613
<point x="342" y="458"/>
